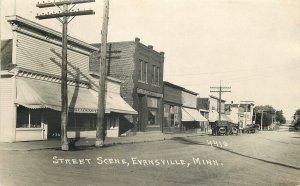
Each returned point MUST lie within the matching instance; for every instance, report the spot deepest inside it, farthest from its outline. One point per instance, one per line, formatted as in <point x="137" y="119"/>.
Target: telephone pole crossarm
<point x="220" y="90"/>
<point x="68" y="14"/>
<point x="61" y="3"/>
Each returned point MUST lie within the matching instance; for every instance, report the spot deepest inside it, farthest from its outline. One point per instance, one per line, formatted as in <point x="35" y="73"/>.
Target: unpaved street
<point x="265" y="158"/>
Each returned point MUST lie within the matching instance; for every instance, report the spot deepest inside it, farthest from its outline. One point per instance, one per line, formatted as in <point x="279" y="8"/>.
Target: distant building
<point x="211" y="106"/>
<point x="235" y="113"/>
<point x="248" y="113"/>
<point x="240" y="113"/>
<point x="141" y="69"/>
<point x="180" y="109"/>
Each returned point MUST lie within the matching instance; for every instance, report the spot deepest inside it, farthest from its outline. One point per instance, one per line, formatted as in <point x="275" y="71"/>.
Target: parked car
<point x="252" y="128"/>
<point x="224" y="128"/>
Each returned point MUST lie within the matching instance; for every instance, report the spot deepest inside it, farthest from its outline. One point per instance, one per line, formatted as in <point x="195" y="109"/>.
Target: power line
<point x="239" y="70"/>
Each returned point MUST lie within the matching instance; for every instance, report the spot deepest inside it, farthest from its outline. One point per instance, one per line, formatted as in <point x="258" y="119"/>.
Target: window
<point x="140" y="70"/>
<point x="28" y="118"/>
<point x="152" y="117"/>
<point x="157" y="76"/>
<point x="152" y="102"/>
<point x="145" y="72"/>
<point x="174" y="112"/>
<point x="153" y="74"/>
<point x="166" y="110"/>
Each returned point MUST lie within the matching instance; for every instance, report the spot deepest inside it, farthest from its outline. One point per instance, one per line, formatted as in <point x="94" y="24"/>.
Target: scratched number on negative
<point x="217" y="143"/>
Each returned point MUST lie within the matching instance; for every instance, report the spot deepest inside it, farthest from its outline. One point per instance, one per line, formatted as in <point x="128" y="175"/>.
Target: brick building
<point x="141" y="69"/>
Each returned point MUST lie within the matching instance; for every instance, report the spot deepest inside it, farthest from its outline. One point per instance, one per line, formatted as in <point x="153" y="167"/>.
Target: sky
<point x="253" y="46"/>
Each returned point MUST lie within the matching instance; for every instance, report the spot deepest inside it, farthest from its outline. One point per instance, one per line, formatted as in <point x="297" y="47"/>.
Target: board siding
<point x="7" y="109"/>
<point x="45" y="57"/>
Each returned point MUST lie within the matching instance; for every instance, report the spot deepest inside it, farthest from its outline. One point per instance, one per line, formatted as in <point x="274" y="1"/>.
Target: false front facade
<point x="30" y="99"/>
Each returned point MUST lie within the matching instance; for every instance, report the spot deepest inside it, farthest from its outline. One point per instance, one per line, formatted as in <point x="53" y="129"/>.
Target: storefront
<point x="172" y="118"/>
<point x="150" y="113"/>
<point x="192" y="119"/>
<point x="30" y="101"/>
<point x="37" y="106"/>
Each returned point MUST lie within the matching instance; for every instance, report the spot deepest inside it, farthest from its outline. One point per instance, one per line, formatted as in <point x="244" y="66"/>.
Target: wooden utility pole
<point x="220" y="90"/>
<point x="100" y="133"/>
<point x="65" y="15"/>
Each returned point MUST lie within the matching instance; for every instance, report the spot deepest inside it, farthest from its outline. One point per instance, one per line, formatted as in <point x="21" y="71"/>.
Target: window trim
<point x="29" y="123"/>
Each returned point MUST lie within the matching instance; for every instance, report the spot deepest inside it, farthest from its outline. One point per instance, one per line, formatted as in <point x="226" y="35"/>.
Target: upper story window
<point x="155" y="75"/>
<point x="140" y="70"/>
<point x="143" y="71"/>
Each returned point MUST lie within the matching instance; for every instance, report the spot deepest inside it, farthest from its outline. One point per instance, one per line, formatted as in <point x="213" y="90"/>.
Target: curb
<point x="108" y="144"/>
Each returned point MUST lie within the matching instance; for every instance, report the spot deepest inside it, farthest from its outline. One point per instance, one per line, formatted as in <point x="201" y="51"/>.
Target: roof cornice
<point x="42" y="29"/>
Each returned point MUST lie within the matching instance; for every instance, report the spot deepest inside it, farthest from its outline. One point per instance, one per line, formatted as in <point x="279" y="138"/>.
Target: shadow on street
<point x="191" y="142"/>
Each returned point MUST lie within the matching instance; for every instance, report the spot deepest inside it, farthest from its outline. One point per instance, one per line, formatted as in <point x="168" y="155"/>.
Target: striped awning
<point x="189" y="114"/>
<point x="35" y="94"/>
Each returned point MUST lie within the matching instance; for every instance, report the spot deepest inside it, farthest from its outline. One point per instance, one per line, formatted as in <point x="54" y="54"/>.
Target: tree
<point x="268" y="113"/>
<point x="297" y="119"/>
<point x="297" y="114"/>
<point x="280" y="117"/>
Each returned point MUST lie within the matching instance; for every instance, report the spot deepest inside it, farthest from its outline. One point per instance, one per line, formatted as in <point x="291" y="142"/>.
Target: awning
<point x="115" y="103"/>
<point x="35" y="94"/>
<point x="189" y="114"/>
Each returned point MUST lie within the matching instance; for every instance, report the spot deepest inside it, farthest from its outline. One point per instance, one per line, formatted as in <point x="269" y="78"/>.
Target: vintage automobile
<point x="224" y="128"/>
<point x="251" y="128"/>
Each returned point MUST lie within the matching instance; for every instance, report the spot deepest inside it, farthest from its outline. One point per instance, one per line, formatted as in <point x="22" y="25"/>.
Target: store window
<point x="174" y="120"/>
<point x="28" y="118"/>
<point x="93" y="121"/>
<point x="166" y="110"/>
<point x="152" y="117"/>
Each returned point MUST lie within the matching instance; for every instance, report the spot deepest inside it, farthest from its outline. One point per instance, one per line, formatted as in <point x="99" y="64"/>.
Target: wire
<point x="231" y="71"/>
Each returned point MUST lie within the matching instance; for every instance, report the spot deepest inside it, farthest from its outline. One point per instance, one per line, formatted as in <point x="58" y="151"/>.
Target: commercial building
<point x="240" y="113"/>
<point x="141" y="69"/>
<point x="180" y="109"/>
<point x="30" y="99"/>
<point x="212" y="105"/>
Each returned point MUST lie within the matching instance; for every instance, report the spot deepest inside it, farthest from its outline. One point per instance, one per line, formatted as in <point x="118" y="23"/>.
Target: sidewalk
<point x="84" y="142"/>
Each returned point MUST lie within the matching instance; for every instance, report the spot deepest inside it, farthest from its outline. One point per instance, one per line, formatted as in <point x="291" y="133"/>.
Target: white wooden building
<point x="30" y="96"/>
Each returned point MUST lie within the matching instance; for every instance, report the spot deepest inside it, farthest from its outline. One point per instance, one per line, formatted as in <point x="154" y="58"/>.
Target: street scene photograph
<point x="150" y="92"/>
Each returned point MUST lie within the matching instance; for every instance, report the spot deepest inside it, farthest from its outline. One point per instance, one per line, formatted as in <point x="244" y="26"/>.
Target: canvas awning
<point x="115" y="103"/>
<point x="34" y="94"/>
<point x="189" y="114"/>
